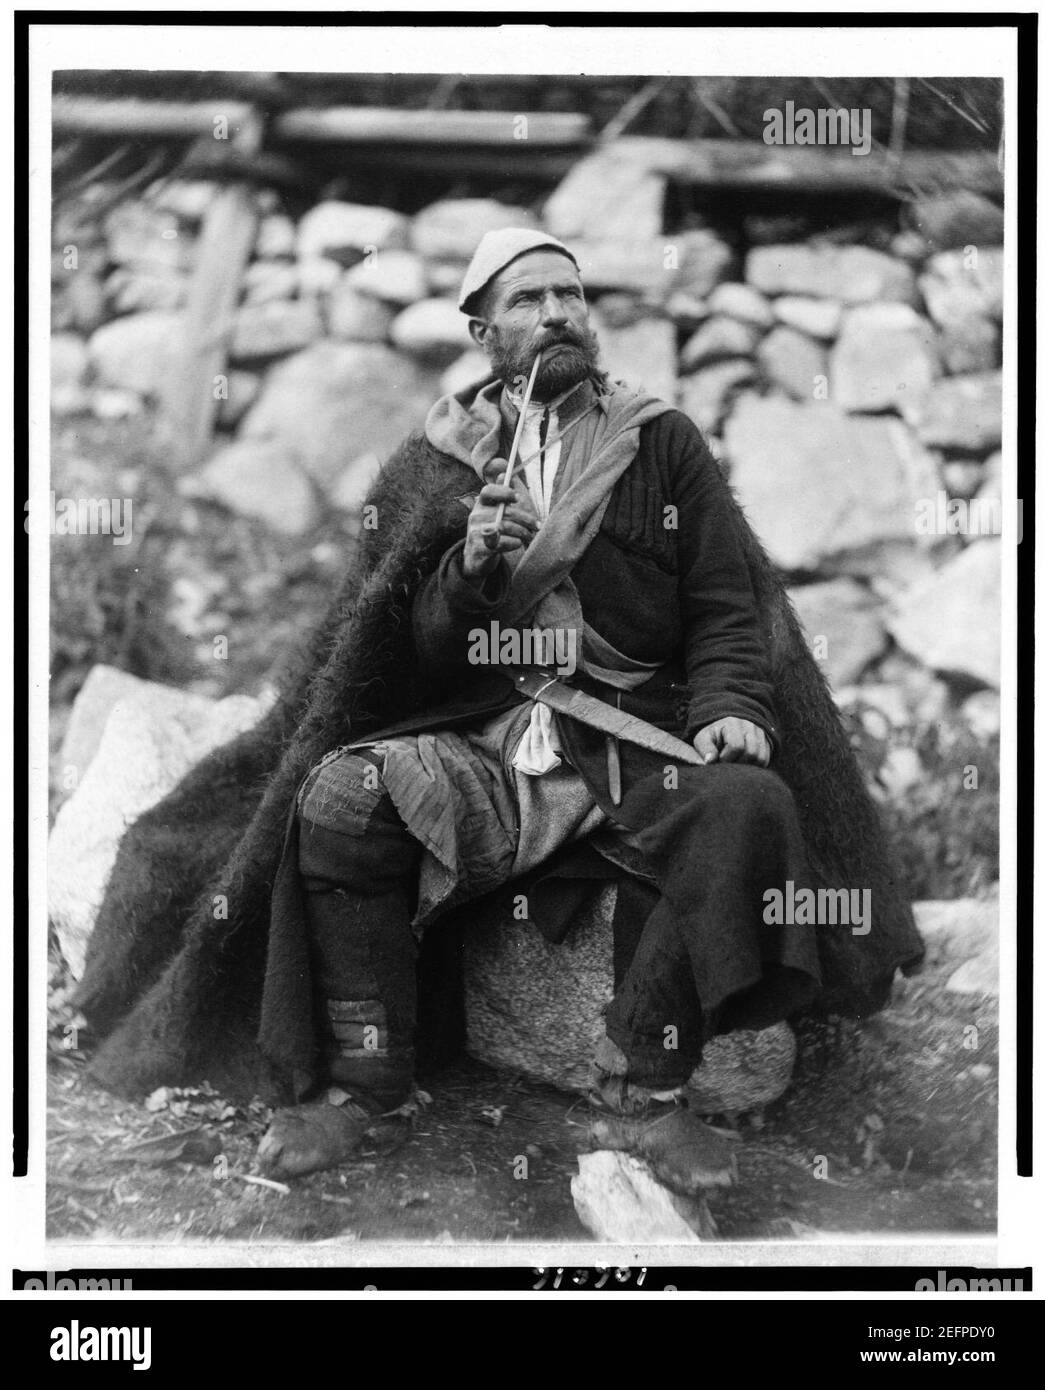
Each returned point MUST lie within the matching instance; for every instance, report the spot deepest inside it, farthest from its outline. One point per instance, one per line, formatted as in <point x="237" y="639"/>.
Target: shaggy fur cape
<point x="175" y="969"/>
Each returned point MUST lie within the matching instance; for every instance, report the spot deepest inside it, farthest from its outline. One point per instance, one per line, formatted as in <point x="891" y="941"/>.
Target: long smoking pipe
<point x="492" y="530"/>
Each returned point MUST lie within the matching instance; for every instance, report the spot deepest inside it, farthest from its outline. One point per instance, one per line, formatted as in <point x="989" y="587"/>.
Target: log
<point x="145" y="119"/>
<point x="189" y="406"/>
<point x="379" y="125"/>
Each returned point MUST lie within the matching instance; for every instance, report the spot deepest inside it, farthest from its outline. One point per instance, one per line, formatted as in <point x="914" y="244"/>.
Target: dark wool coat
<point x="176" y="966"/>
<point x="664" y="580"/>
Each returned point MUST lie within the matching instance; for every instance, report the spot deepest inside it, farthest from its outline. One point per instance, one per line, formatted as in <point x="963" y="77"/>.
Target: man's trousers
<point x="714" y="838"/>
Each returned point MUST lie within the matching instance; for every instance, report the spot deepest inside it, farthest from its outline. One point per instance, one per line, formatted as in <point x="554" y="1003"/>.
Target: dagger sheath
<point x="548" y="690"/>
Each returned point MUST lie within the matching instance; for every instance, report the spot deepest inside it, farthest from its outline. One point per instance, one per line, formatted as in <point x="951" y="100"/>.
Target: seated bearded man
<point x="619" y="543"/>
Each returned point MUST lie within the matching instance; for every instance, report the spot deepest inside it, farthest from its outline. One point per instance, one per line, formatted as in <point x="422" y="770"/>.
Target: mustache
<point x="562" y="340"/>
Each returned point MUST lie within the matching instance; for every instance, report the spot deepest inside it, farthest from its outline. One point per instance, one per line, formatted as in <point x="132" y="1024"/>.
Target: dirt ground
<point x="887" y="1128"/>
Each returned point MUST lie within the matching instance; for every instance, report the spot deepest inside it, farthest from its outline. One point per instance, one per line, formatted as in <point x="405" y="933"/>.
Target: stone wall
<point x="848" y="377"/>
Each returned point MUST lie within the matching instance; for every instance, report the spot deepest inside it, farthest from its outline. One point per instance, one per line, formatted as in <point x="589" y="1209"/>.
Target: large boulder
<point x="434" y="330"/>
<point x="956" y="219"/>
<point x="451" y="229"/>
<point x="706" y="394"/>
<point x="958" y="285"/>
<point x="819" y="485"/>
<point x="335" y="401"/>
<point x="397" y="277"/>
<point x="962" y="413"/>
<point x="349" y="491"/>
<point x="952" y="621"/>
<point x="277" y="238"/>
<point x="843" y="622"/>
<point x="101" y="690"/>
<point x="686" y="311"/>
<point x="690" y="263"/>
<point x="642" y="354"/>
<point x="346" y="232"/>
<point x="794" y="362"/>
<point x="850" y="274"/>
<point x="137" y="353"/>
<point x="261" y="479"/>
<point x="265" y="281"/>
<point x="538" y="1009"/>
<point x="961" y="942"/>
<point x="151" y="736"/>
<point x="617" y="310"/>
<point x="637" y="268"/>
<point x="464" y="371"/>
<point x="607" y="195"/>
<point x="885" y="357"/>
<point x="820" y="318"/>
<point x="274" y="329"/>
<point x="740" y="301"/>
<point x="970" y="345"/>
<point x="358" y="318"/>
<point x="717" y="338"/>
<point x="703" y="262"/>
<point x="318" y="276"/>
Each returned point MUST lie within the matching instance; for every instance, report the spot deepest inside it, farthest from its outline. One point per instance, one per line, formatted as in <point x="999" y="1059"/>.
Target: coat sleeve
<point x="448" y="608"/>
<point x="727" y="666"/>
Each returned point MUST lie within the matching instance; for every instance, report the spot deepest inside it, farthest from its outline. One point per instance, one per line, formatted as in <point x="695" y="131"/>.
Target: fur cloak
<point x="176" y="965"/>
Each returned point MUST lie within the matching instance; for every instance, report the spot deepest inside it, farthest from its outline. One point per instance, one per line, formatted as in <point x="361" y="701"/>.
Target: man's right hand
<point x="518" y="527"/>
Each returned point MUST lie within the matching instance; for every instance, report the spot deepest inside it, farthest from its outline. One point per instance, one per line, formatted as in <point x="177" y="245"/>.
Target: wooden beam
<point x="146" y="119"/>
<point x="387" y="125"/>
<point x="189" y="404"/>
<point x="545" y="166"/>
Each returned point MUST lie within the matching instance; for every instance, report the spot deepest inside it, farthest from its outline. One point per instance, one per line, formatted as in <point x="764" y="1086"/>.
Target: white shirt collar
<point x="538" y="407"/>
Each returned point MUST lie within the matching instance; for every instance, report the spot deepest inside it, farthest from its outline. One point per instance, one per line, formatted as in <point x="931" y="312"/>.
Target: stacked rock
<point x="848" y="379"/>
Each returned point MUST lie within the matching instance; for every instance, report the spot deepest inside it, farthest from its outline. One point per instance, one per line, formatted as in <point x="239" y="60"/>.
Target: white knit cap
<point x="498" y="249"/>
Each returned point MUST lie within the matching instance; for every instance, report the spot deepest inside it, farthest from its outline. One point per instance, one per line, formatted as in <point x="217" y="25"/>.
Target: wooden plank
<point x="189" y="405"/>
<point x="147" y="119"/>
<point x="545" y="166"/>
<point x="387" y="125"/>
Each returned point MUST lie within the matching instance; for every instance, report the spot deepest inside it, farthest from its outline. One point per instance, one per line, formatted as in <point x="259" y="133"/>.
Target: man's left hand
<point x="733" y="740"/>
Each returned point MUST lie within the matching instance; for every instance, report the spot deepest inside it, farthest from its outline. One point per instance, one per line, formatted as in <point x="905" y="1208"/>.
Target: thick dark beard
<point x="560" y="370"/>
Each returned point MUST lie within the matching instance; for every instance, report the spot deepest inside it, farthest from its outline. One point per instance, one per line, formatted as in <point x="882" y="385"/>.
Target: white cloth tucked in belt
<point x="539" y="747"/>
